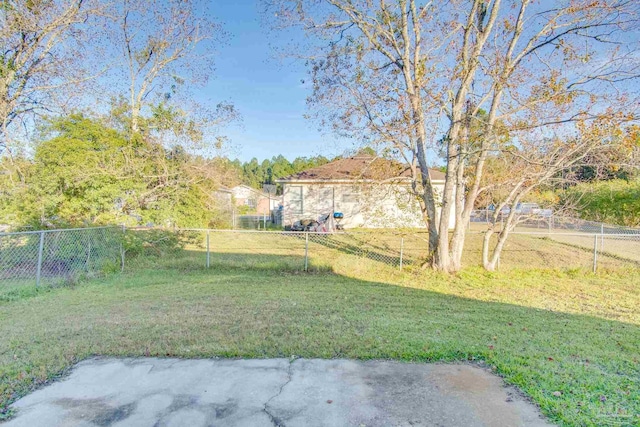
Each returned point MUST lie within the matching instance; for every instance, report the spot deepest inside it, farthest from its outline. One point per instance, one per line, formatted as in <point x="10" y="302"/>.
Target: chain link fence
<point x="371" y="251"/>
<point x="51" y="257"/>
<point x="550" y="222"/>
<point x="284" y="251"/>
<point x="610" y="245"/>
<point x="57" y="256"/>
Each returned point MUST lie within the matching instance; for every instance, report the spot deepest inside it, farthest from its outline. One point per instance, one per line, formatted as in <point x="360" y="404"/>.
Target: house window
<point x="295" y="199"/>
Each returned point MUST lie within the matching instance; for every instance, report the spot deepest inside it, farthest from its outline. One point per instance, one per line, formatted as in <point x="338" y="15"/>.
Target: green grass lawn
<point x="543" y="330"/>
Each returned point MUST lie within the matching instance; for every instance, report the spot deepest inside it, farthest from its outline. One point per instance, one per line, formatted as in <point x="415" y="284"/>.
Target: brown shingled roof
<point x="359" y="167"/>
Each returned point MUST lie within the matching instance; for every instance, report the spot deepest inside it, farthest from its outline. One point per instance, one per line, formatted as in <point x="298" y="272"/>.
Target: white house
<point x="371" y="192"/>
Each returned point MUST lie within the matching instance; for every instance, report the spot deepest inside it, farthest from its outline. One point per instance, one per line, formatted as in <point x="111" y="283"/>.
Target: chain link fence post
<point x="306" y="251"/>
<point x="208" y="252"/>
<point x="595" y="252"/>
<point x="39" y="266"/>
<point x="124" y="231"/>
<point x="401" y="251"/>
<point x="88" y="259"/>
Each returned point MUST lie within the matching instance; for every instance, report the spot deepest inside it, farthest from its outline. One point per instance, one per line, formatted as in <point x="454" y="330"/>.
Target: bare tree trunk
<point x="460" y="227"/>
<point x="490" y="259"/>
<point x="497" y="251"/>
<point x="427" y="188"/>
<point x="413" y="87"/>
<point x="451" y="260"/>
<point x="486" y="242"/>
<point x="8" y="151"/>
<point x="135" y="114"/>
<point x="135" y="118"/>
<point x="442" y="260"/>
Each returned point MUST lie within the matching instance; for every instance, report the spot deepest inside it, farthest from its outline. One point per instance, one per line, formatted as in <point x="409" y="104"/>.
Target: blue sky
<point x="268" y="92"/>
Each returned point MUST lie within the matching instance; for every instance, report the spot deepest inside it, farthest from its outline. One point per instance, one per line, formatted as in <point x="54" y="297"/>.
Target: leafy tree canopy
<point x="86" y="173"/>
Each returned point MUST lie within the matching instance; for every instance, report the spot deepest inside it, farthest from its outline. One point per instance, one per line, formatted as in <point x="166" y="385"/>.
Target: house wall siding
<point x="363" y="205"/>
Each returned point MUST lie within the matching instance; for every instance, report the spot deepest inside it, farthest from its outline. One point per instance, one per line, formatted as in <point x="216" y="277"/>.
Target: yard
<point x="568" y="338"/>
<point x="547" y="333"/>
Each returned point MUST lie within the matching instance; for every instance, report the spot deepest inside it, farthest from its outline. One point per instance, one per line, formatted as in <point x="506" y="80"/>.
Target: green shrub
<point x="616" y="201"/>
<point x="151" y="242"/>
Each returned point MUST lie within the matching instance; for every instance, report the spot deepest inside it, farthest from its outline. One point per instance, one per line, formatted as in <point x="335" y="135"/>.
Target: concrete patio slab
<point x="274" y="392"/>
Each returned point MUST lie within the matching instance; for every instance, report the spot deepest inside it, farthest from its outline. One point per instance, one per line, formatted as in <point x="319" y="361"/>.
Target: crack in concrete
<point x="277" y="422"/>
